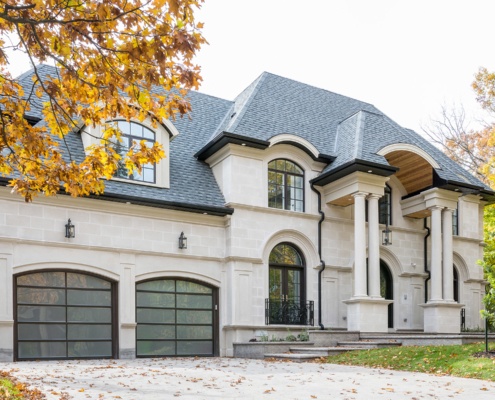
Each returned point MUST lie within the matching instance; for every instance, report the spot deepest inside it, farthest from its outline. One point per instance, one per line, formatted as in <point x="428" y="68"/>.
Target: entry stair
<point x="301" y="353"/>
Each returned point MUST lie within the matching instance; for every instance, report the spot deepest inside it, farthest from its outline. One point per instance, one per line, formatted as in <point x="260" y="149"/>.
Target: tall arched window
<point x="287" y="297"/>
<point x="285" y="185"/>
<point x="133" y="132"/>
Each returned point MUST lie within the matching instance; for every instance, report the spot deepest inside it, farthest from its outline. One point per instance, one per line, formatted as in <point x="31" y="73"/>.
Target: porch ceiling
<point x="415" y="173"/>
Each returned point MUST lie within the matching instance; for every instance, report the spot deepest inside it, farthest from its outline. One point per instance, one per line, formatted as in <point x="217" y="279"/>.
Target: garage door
<point x="62" y="315"/>
<point x="176" y="318"/>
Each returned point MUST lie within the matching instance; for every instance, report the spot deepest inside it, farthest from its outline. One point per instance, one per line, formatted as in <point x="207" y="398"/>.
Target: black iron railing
<point x="289" y="312"/>
<point x="463" y="319"/>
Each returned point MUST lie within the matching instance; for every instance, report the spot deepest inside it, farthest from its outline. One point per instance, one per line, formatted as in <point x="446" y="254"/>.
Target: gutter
<point x="322" y="263"/>
<point x="426" y="258"/>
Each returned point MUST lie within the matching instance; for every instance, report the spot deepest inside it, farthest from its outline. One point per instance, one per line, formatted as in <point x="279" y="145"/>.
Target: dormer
<point x="135" y="131"/>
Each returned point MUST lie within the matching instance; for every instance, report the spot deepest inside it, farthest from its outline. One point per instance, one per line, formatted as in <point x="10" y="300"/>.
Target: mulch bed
<point x="484" y="354"/>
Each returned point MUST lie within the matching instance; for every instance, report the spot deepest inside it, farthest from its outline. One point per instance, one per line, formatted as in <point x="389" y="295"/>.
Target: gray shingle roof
<point x="338" y="126"/>
<point x="192" y="184"/>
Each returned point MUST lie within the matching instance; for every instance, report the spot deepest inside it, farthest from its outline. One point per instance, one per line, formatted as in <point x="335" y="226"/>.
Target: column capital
<point x="360" y="194"/>
<point x="433" y="208"/>
<point x="374" y="196"/>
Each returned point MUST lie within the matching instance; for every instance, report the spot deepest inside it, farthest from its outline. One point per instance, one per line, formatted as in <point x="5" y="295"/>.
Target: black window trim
<point x="287" y="198"/>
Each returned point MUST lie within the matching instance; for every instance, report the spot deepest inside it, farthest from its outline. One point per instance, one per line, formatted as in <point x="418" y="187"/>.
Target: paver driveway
<point x="230" y="378"/>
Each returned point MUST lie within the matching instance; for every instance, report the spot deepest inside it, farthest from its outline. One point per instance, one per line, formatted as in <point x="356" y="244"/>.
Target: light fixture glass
<point x="386" y="236"/>
<point x="182" y="241"/>
<point x="70" y="230"/>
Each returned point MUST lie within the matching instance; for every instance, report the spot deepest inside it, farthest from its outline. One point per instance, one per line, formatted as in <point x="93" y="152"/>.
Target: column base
<point x="442" y="317"/>
<point x="365" y="314"/>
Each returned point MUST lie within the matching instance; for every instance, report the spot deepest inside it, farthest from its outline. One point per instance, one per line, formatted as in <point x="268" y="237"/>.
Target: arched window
<point x="385" y="207"/>
<point x="133" y="132"/>
<point x="285" y="185"/>
<point x="286" y="302"/>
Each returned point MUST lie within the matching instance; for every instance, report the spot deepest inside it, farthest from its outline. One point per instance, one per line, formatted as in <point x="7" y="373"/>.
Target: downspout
<point x="426" y="259"/>
<point x="322" y="263"/>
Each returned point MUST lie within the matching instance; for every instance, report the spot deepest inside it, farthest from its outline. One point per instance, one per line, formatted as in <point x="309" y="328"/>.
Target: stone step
<point x="322" y="351"/>
<point x="361" y="344"/>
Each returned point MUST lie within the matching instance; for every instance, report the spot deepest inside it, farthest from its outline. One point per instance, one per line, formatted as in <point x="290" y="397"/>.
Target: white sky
<point x="408" y="58"/>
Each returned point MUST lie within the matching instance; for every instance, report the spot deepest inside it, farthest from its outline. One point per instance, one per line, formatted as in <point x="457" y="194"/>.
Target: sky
<point x="408" y="58"/>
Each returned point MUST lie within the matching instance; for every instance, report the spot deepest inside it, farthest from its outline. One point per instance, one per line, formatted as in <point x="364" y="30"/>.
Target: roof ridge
<point x="244" y="102"/>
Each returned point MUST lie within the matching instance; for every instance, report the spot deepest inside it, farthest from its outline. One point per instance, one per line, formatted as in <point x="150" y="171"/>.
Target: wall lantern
<point x="182" y="241"/>
<point x="386" y="236"/>
<point x="70" y="230"/>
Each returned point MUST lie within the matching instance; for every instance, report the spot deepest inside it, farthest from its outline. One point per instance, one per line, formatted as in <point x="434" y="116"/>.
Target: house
<point x="289" y="207"/>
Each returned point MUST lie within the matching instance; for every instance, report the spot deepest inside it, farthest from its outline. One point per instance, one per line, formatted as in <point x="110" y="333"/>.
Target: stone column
<point x="436" y="254"/>
<point x="373" y="247"/>
<point x="448" y="262"/>
<point x="360" y="245"/>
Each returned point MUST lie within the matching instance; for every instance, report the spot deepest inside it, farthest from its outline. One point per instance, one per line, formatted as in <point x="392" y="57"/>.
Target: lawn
<point x="456" y="360"/>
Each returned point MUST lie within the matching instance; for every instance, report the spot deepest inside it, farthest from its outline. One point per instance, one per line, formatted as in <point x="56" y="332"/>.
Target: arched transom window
<point x="285" y="185"/>
<point x="133" y="132"/>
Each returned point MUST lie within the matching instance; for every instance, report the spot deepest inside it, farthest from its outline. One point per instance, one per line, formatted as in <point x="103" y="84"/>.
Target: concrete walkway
<point x="230" y="378"/>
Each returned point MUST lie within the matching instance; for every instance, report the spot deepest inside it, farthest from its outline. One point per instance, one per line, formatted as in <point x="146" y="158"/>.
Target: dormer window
<point x="285" y="185"/>
<point x="136" y="131"/>
<point x="133" y="132"/>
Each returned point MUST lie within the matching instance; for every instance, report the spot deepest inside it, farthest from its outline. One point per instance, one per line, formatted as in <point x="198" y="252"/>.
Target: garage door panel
<point x="89" y="298"/>
<point x="156" y="332"/>
<point x="166" y="300"/>
<point x="194" y="317"/>
<point x="194" y="301"/>
<point x="156" y="348"/>
<point x="53" y="349"/>
<point x="45" y="279"/>
<point x="89" y="332"/>
<point x="158" y="316"/>
<point x="27" y="295"/>
<point x="40" y="314"/>
<point x="61" y="321"/>
<point x="42" y="332"/>
<point x="178" y="321"/>
<point x="199" y="348"/>
<point x="89" y="349"/>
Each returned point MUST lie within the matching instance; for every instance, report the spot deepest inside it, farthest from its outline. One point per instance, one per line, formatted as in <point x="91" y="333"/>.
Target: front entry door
<point x="286" y="286"/>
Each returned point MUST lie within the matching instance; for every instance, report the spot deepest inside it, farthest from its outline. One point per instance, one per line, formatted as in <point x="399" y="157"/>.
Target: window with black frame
<point x="133" y="132"/>
<point x="385" y="207"/>
<point x="285" y="185"/>
<point x="286" y="303"/>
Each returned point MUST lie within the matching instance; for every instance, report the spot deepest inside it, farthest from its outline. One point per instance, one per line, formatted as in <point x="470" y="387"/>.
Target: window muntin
<point x="385" y="207"/>
<point x="134" y="132"/>
<point x="285" y="185"/>
<point x="455" y="222"/>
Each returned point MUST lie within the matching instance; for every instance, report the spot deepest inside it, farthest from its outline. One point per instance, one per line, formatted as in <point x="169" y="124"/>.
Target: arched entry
<point x="287" y="295"/>
<point x="64" y="315"/>
<point x="176" y="317"/>
<point x="387" y="290"/>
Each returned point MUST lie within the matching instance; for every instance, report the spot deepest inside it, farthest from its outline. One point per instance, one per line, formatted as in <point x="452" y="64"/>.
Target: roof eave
<point x="356" y="165"/>
<point x="229" y="138"/>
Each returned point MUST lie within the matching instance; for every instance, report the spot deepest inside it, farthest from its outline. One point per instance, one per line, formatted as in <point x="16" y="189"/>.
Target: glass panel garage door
<point x="63" y="315"/>
<point x="175" y="318"/>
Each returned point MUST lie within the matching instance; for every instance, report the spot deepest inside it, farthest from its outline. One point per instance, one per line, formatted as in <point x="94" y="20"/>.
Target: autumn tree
<point x="130" y="59"/>
<point x="474" y="149"/>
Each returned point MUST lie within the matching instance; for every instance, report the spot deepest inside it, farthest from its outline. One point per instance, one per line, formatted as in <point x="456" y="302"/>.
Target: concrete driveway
<point x="230" y="378"/>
